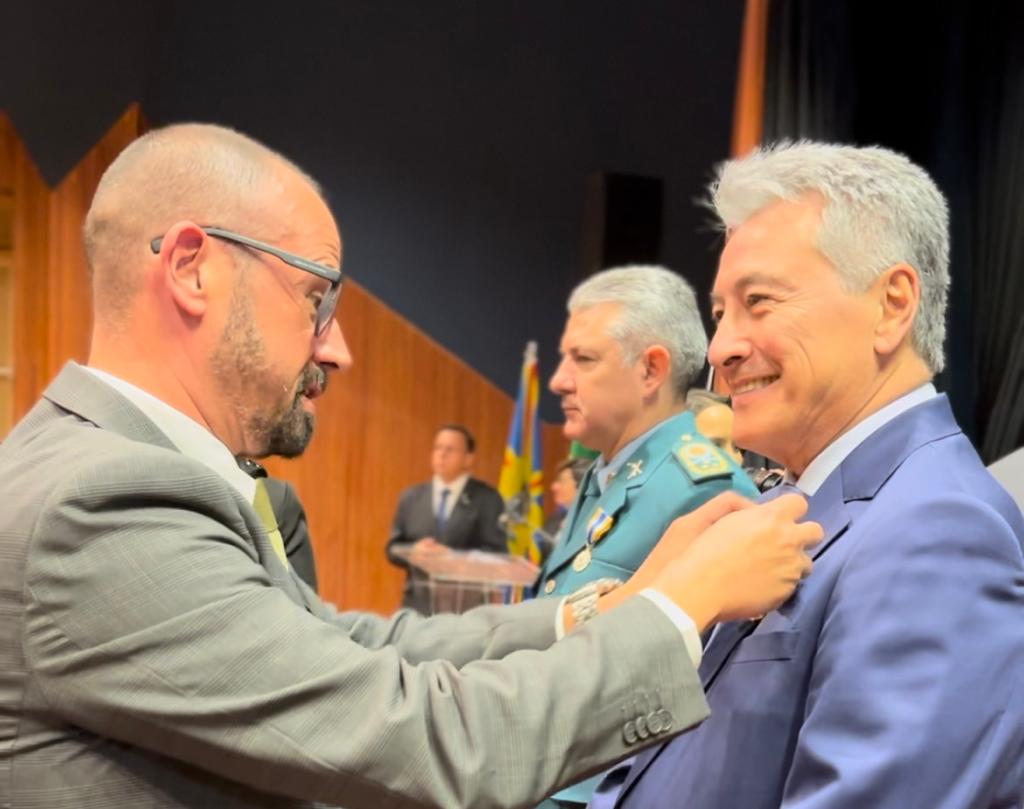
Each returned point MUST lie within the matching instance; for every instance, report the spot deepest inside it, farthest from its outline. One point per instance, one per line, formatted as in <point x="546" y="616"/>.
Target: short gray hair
<point x="881" y="210"/>
<point x="657" y="307"/>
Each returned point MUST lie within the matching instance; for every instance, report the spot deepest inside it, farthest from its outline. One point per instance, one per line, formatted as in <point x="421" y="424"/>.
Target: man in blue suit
<point x="632" y="347"/>
<point x="894" y="677"/>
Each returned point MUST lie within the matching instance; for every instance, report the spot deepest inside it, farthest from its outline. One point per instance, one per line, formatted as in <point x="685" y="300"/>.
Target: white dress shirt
<point x="826" y="461"/>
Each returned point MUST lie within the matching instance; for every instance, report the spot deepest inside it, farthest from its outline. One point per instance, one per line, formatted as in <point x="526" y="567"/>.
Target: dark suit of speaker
<point x="291" y="522"/>
<point x="472" y="524"/>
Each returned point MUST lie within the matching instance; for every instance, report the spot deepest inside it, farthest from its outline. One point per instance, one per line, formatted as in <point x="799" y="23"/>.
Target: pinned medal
<point x="635" y="469"/>
<point x="579" y="564"/>
<point x="600" y="524"/>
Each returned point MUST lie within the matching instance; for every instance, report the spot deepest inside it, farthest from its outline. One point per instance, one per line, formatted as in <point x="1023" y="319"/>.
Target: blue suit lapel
<point x="826" y="507"/>
<point x="858" y="477"/>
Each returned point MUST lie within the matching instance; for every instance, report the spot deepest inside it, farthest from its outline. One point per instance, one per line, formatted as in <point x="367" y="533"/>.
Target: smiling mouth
<point x="754" y="384"/>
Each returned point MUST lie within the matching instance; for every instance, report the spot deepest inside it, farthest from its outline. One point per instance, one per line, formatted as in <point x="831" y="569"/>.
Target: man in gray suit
<point x="156" y="649"/>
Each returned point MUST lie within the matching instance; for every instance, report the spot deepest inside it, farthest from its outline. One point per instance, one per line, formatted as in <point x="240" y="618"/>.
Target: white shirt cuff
<point x="560" y="620"/>
<point x="683" y="622"/>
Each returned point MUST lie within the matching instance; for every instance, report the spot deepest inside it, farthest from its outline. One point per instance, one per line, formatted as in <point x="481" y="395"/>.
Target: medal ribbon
<point x="600" y="524"/>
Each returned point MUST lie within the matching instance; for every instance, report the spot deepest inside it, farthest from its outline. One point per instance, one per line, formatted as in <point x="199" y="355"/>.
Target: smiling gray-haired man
<point x="892" y="679"/>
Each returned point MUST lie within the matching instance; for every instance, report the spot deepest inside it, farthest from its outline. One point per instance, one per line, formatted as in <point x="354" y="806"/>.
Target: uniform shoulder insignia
<point x="700" y="459"/>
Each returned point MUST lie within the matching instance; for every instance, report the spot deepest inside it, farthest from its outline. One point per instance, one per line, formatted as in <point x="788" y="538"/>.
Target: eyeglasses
<point x="329" y="302"/>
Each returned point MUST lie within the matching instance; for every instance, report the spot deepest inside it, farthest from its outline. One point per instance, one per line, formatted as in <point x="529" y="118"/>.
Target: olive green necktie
<point x="261" y="502"/>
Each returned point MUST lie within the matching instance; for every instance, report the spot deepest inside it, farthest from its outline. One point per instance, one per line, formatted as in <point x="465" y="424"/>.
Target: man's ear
<point x="657" y="365"/>
<point x="182" y="253"/>
<point x="899" y="294"/>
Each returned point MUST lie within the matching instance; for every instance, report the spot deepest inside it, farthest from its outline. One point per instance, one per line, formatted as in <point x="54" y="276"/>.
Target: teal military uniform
<point x="670" y="474"/>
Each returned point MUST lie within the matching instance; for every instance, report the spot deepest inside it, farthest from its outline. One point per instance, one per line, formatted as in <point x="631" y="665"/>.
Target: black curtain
<point x="943" y="84"/>
<point x="998" y="246"/>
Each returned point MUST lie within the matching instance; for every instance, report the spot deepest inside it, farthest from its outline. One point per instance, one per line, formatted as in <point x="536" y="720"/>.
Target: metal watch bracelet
<point x="583" y="602"/>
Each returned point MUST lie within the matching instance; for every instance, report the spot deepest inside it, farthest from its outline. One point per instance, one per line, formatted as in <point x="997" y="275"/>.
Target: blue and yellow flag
<point x="522" y="477"/>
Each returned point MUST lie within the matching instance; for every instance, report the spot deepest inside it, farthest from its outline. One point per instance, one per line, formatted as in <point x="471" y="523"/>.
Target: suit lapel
<point x="827" y="508"/>
<point x="566" y="549"/>
<point x="420" y="511"/>
<point x="611" y="503"/>
<point x="858" y="477"/>
<point x="77" y="391"/>
<point x="633" y="473"/>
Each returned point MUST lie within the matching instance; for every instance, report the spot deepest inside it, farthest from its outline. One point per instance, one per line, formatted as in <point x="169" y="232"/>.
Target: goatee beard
<point x="289" y="436"/>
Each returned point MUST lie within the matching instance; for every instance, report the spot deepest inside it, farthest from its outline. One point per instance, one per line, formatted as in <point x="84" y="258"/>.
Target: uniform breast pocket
<point x="779" y="645"/>
<point x="603" y="568"/>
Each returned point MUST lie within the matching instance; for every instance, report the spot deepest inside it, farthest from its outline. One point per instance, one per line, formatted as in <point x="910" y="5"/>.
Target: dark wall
<point x="453" y="138"/>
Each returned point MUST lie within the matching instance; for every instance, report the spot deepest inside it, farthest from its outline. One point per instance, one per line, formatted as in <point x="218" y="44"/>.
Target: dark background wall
<point x="454" y="139"/>
<point x="945" y="85"/>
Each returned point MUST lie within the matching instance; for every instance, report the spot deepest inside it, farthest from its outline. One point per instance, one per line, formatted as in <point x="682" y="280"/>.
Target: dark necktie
<point x="442" y="516"/>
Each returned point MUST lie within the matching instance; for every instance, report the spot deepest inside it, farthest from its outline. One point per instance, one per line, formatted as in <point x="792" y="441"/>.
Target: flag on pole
<point x="521" y="482"/>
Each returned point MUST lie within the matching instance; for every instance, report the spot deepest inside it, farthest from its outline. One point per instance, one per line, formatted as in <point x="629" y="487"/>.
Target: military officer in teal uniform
<point x="632" y="346"/>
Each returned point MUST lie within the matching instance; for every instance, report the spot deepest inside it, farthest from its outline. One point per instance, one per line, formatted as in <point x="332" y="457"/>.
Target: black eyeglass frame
<point x="325" y="309"/>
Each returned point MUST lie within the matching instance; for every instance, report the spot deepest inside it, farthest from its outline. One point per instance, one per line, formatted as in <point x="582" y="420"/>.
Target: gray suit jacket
<point x="155" y="653"/>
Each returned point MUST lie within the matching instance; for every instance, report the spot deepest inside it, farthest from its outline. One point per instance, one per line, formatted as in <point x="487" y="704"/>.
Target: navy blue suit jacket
<point x="894" y="678"/>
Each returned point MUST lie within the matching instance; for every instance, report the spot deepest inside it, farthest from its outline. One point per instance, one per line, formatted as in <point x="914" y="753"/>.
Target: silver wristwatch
<point x="583" y="602"/>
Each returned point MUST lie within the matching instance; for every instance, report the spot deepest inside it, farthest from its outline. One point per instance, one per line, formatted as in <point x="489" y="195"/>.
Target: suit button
<point x="629" y="735"/>
<point x="654" y="722"/>
<point x="666" y="720"/>
<point x="641" y="728"/>
<point x="549" y="586"/>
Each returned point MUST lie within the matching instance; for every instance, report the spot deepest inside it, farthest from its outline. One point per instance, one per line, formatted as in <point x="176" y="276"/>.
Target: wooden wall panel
<point x="375" y="426"/>
<point x="31" y="283"/>
<point x="52" y="311"/>
<point x="70" y="291"/>
<point x="8" y="147"/>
